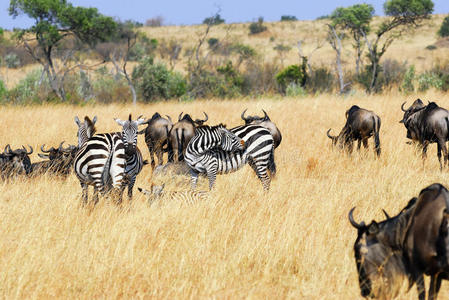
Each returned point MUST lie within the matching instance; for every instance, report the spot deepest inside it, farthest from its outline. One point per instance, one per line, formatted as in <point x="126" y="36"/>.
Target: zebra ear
<point x="120" y="122"/>
<point x="77" y="121"/>
<point x="94" y="120"/>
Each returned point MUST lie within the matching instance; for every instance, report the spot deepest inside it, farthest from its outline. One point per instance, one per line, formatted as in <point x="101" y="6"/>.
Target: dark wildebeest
<point x="265" y="122"/>
<point x="14" y="162"/>
<point x="407" y="246"/>
<point x="360" y="125"/>
<point x="57" y="161"/>
<point x="182" y="132"/>
<point x="427" y="124"/>
<point x="156" y="137"/>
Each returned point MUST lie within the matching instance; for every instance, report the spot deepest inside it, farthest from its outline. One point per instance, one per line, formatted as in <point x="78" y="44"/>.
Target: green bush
<point x="12" y="60"/>
<point x="431" y="47"/>
<point x="292" y="74"/>
<point x="321" y="80"/>
<point x="257" y="27"/>
<point x="215" y="20"/>
<point x="295" y="90"/>
<point x="212" y="42"/>
<point x="31" y="89"/>
<point x="444" y="29"/>
<point x="3" y="91"/>
<point x="288" y="18"/>
<point x="154" y="81"/>
<point x="407" y="83"/>
<point x="428" y="80"/>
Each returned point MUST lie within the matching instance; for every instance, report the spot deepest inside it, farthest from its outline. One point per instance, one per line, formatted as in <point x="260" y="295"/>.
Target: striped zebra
<point x="134" y="159"/>
<point x="216" y="150"/>
<point x="187" y="197"/>
<point x="100" y="158"/>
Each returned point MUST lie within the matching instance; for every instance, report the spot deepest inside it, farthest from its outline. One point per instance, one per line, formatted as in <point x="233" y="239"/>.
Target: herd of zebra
<point x="110" y="162"/>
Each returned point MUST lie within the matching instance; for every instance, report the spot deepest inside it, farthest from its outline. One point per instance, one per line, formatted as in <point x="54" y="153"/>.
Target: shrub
<point x="214" y="20"/>
<point x="260" y="76"/>
<point x="31" y="89"/>
<point x="288" y="18"/>
<point x="292" y="74"/>
<point x="407" y="83"/>
<point x="444" y="29"/>
<point x="155" y="22"/>
<point x="12" y="61"/>
<point x="3" y="91"/>
<point x="212" y="42"/>
<point x="321" y="80"/>
<point x="431" y="47"/>
<point x="295" y="90"/>
<point x="257" y="27"/>
<point x="155" y="81"/>
<point x="428" y="80"/>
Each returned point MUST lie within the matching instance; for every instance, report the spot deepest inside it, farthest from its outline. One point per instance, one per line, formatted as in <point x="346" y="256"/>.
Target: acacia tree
<point x="58" y="21"/>
<point x="402" y="15"/>
<point x="355" y="19"/>
<point x="334" y="38"/>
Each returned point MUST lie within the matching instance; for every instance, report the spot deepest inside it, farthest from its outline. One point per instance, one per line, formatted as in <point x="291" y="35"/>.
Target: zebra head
<point x="229" y="141"/>
<point x="129" y="133"/>
<point x="86" y="129"/>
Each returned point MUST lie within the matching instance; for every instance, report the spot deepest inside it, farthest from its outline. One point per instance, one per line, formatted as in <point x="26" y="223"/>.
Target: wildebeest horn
<point x="179" y="117"/>
<point x="31" y="149"/>
<point x="328" y="135"/>
<point x="207" y="117"/>
<point x="60" y="146"/>
<point x="169" y="119"/>
<point x="385" y="213"/>
<point x="44" y="151"/>
<point x="354" y="223"/>
<point x="243" y="114"/>
<point x="8" y="149"/>
<point x="266" y="115"/>
<point x="402" y="106"/>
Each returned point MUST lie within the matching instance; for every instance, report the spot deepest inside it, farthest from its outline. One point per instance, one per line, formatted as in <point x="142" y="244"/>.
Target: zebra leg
<point x="130" y="188"/>
<point x="212" y="175"/>
<point x="262" y="173"/>
<point x="85" y="192"/>
<point x="194" y="178"/>
<point x="95" y="196"/>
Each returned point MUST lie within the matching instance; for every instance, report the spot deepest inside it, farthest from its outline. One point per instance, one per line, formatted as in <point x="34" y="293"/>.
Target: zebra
<point x="188" y="197"/>
<point x="134" y="159"/>
<point x="214" y="150"/>
<point x="100" y="158"/>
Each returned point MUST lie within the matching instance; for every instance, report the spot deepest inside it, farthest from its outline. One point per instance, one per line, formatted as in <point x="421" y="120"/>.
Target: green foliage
<point x="31" y="89"/>
<point x="409" y="10"/>
<point x="355" y="18"/>
<point x="232" y="84"/>
<point x="257" y="27"/>
<point x="444" y="29"/>
<point x="407" y="86"/>
<point x="289" y="18"/>
<point x="282" y="48"/>
<point x="321" y="80"/>
<point x="3" y="91"/>
<point x="214" y="20"/>
<point x="428" y="80"/>
<point x="212" y="42"/>
<point x="431" y="47"/>
<point x="292" y="74"/>
<point x="12" y="60"/>
<point x="155" y="81"/>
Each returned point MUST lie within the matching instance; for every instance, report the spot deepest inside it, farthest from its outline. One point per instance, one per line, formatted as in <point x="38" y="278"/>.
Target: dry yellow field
<point x="293" y="242"/>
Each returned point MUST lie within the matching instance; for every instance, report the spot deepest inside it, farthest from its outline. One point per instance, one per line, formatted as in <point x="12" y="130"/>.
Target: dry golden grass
<point x="294" y="242"/>
<point x="410" y="48"/>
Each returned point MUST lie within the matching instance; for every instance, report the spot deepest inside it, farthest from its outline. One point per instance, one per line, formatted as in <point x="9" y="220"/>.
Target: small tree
<point x="288" y="18"/>
<point x="334" y="38"/>
<point x="257" y="27"/>
<point x="444" y="29"/>
<point x="282" y="51"/>
<point x="57" y="21"/>
<point x="214" y="20"/>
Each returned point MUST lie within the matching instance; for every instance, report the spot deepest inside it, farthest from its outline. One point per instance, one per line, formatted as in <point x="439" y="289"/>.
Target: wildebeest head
<point x="416" y="106"/>
<point x="129" y="133"/>
<point x="254" y="119"/>
<point x="266" y="122"/>
<point x="86" y="129"/>
<point x="18" y="159"/>
<point x="378" y="254"/>
<point x="54" y="153"/>
<point x="188" y="118"/>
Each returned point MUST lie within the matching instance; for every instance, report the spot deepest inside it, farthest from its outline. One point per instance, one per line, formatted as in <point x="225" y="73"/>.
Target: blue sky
<point x="185" y="12"/>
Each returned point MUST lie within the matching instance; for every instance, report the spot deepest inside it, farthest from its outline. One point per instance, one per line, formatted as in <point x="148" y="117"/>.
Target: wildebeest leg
<point x="439" y="155"/>
<point x="434" y="288"/>
<point x="194" y="178"/>
<point x="424" y="150"/>
<point x="151" y="149"/>
<point x="359" y="143"/>
<point x="85" y="192"/>
<point x="350" y="147"/>
<point x="443" y="147"/>
<point x="421" y="287"/>
<point x="159" y="154"/>
<point x="365" y="143"/>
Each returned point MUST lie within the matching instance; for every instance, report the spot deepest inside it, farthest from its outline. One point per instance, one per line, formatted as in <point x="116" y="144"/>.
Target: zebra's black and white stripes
<point x="100" y="159"/>
<point x="134" y="159"/>
<point x="216" y="150"/>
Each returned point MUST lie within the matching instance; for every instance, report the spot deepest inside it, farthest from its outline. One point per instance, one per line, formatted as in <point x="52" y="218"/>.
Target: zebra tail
<point x="272" y="164"/>
<point x="105" y="178"/>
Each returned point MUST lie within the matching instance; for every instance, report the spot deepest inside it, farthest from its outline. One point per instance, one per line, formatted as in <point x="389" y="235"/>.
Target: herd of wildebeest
<point x="407" y="246"/>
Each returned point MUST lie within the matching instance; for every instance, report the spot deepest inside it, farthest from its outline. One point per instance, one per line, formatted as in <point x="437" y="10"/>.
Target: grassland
<point x="293" y="242"/>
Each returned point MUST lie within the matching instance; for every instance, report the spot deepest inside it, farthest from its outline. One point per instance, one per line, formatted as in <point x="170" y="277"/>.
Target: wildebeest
<point x="407" y="246"/>
<point x="182" y="132"/>
<point x="57" y="161"/>
<point x="360" y="125"/>
<point x="427" y="124"/>
<point x="14" y="162"/>
<point x="266" y="122"/>
<point x="156" y="137"/>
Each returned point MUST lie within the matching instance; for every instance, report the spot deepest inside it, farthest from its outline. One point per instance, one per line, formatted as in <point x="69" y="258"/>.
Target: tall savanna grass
<point x="293" y="242"/>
